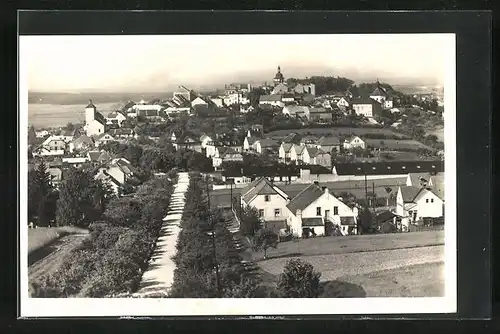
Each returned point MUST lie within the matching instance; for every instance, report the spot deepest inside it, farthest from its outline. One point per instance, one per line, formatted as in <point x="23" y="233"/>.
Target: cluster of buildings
<point x="319" y="208"/>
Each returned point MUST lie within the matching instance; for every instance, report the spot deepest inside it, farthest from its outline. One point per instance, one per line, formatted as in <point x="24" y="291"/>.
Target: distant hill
<point x="97" y="97"/>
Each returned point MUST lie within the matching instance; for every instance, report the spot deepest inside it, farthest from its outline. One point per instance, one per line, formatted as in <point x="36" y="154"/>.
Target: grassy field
<point x="421" y="280"/>
<point x="335" y="131"/>
<point x="351" y="244"/>
<point x="43" y="236"/>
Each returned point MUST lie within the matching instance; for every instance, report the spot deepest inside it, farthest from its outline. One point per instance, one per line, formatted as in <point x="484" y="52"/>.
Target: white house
<point x="199" y="102"/>
<point x="219" y="102"/>
<point x="103" y="139"/>
<point x="104" y="177"/>
<point x="366" y="107"/>
<point x="55" y="143"/>
<point x="120" y="169"/>
<point x="268" y="199"/>
<point x="354" y="142"/>
<point x="115" y="117"/>
<point x="76" y="161"/>
<point x="273" y="100"/>
<point x="225" y="154"/>
<point x="342" y="102"/>
<point x="296" y="111"/>
<point x="284" y="152"/>
<point x="313" y="207"/>
<point x="415" y="203"/>
<point x="81" y="143"/>
<point x="300" y="154"/>
<point x="248" y="143"/>
<point x="205" y="139"/>
<point x="95" y="123"/>
<point x="261" y="145"/>
<point x="42" y="133"/>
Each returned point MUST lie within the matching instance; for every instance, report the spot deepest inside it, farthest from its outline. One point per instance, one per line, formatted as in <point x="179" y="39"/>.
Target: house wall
<point x="95" y="128"/>
<point x="210" y="150"/>
<point x="400" y="211"/>
<point x="427" y="208"/>
<point x="363" y="109"/>
<point x="324" y="160"/>
<point x="275" y="202"/>
<point x="56" y="145"/>
<point x="327" y="202"/>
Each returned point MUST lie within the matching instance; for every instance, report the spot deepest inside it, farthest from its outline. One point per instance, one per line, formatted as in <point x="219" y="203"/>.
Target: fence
<point x="415" y="228"/>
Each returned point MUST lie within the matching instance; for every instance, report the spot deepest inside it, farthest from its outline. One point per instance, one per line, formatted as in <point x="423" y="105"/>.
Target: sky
<point x="163" y="62"/>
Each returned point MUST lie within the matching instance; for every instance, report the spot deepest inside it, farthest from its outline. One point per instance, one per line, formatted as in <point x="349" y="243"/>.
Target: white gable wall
<point x="275" y="202"/>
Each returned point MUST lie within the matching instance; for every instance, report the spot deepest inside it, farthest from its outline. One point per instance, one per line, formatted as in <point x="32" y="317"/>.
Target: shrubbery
<point x="114" y="256"/>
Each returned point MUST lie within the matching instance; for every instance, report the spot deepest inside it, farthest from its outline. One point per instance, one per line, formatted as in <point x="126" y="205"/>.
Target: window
<point x="261" y="212"/>
<point x="427" y="200"/>
<point x="336" y="210"/>
<point x="432" y="200"/>
<point x="267" y="198"/>
<point x="318" y="211"/>
<point x="277" y="212"/>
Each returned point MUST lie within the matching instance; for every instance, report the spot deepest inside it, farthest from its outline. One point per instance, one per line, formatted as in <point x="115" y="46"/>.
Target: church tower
<point x="90" y="110"/>
<point x="278" y="78"/>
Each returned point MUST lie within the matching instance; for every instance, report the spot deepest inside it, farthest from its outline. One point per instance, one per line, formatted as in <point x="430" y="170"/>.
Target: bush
<point x="299" y="280"/>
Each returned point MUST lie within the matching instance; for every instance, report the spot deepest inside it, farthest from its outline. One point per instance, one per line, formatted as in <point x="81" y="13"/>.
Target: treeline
<point x="207" y="262"/>
<point x="159" y="157"/>
<point x="116" y="253"/>
<point x="325" y="84"/>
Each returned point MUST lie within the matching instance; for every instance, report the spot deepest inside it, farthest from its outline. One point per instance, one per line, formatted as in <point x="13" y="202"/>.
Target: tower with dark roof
<point x="90" y="110"/>
<point x="278" y="78"/>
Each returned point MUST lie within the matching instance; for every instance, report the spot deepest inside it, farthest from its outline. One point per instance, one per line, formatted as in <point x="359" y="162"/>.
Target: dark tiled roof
<point x="292" y="138"/>
<point x="287" y="147"/>
<point x="316" y="221"/>
<point x="363" y="100"/>
<point x="260" y="186"/>
<point x="90" y="105"/>
<point x="94" y="155"/>
<point x="83" y="139"/>
<point x="395" y="167"/>
<point x="303" y="199"/>
<point x="384" y="216"/>
<point x="269" y="143"/>
<point x="410" y="193"/>
<point x="328" y="141"/>
<point x="379" y="91"/>
<point x="275" y="224"/>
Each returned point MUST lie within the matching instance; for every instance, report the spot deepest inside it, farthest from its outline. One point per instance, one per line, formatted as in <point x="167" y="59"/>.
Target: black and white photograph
<point x="171" y="175"/>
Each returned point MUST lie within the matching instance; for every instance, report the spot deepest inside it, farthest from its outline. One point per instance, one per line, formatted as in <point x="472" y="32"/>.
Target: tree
<point x="365" y="220"/>
<point x="299" y="280"/>
<point x="264" y="239"/>
<point x="249" y="221"/>
<point x="77" y="200"/>
<point x="40" y="195"/>
<point x="69" y="127"/>
<point x="32" y="139"/>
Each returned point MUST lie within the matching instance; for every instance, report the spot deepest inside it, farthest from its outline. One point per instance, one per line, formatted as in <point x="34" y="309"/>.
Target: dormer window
<point x="418" y="167"/>
<point x="404" y="167"/>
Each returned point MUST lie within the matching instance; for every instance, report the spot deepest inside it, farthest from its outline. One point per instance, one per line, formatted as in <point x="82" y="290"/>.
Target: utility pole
<point x="231" y="198"/>
<point x="214" y="246"/>
<point x="373" y="201"/>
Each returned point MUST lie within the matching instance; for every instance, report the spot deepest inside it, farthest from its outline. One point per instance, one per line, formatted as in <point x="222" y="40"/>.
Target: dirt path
<point x="49" y="258"/>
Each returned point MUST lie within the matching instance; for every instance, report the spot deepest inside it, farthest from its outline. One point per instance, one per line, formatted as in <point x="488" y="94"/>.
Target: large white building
<point x="95" y="123"/>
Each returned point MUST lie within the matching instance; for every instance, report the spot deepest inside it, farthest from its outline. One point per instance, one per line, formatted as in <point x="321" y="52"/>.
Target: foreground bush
<point x="112" y="259"/>
<point x="299" y="280"/>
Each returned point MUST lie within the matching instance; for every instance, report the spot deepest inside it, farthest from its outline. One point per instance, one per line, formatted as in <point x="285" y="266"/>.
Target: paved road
<point x="160" y="274"/>
<point x="336" y="265"/>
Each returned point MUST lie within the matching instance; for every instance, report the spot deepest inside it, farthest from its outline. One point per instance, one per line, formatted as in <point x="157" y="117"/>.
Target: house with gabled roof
<point x="121" y="170"/>
<point x="315" y="207"/>
<point x="187" y="142"/>
<point x="99" y="157"/>
<point x="81" y="143"/>
<point x="102" y="139"/>
<point x="296" y="111"/>
<point x="365" y="106"/>
<point x="225" y="154"/>
<point x="416" y="203"/>
<point x="285" y="152"/>
<point x="319" y="157"/>
<point x="267" y="198"/>
<point x="354" y="142"/>
<point x="116" y="117"/>
<point x="266" y="144"/>
<point x="273" y="100"/>
<point x="328" y="144"/>
<point x="299" y="154"/>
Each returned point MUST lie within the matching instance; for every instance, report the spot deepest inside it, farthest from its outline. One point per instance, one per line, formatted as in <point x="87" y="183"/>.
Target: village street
<point x="160" y="274"/>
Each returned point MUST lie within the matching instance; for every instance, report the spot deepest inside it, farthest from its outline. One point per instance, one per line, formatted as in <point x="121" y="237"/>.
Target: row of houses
<point x="314" y="207"/>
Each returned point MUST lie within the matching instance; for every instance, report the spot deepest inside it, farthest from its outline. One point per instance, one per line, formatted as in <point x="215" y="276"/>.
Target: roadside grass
<point x="421" y="280"/>
<point x="350" y="244"/>
<point x="44" y="236"/>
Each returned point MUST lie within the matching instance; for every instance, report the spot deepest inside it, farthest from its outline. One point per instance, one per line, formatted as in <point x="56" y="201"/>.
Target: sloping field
<point x="421" y="280"/>
<point x="338" y="266"/>
<point x="392" y="144"/>
<point x="353" y="244"/>
<point x="43" y="236"/>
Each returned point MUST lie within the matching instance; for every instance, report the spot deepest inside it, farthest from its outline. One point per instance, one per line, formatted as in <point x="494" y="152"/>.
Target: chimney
<point x="316" y="183"/>
<point x="325" y="189"/>
<point x="298" y="213"/>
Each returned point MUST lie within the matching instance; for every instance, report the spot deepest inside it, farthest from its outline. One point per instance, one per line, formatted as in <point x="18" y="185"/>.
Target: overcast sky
<point x="158" y="63"/>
